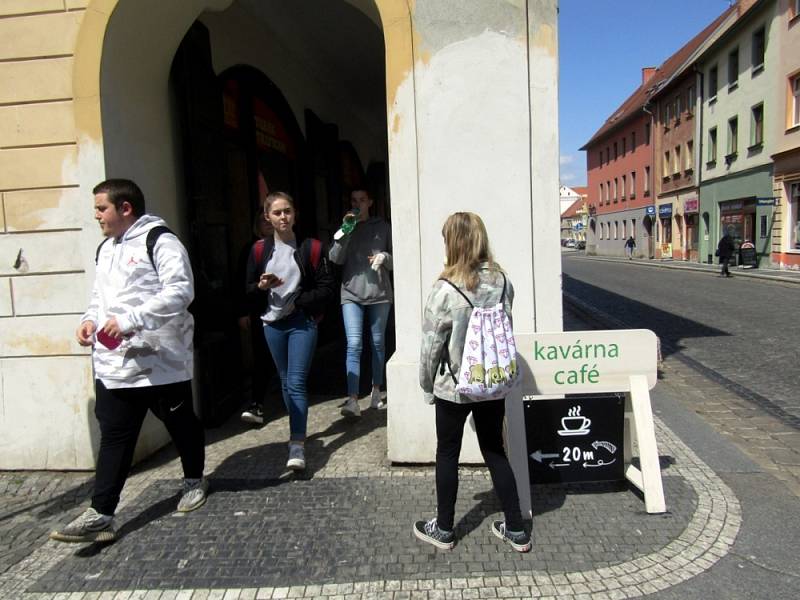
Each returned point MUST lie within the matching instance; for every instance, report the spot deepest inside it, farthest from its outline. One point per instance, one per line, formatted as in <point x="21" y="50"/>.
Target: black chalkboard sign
<point x="748" y="257"/>
<point x="575" y="439"/>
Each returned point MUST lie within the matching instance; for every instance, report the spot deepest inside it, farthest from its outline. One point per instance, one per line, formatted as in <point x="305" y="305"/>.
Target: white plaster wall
<point x="474" y="107"/>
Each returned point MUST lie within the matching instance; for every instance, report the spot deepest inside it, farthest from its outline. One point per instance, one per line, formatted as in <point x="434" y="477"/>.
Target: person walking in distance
<point x="471" y="278"/>
<point x="364" y="247"/>
<point x="630" y="244"/>
<point x="289" y="283"/>
<point x="725" y="252"/>
<point x="140" y="331"/>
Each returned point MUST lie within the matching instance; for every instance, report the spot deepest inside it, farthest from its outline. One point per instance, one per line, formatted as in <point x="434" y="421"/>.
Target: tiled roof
<point x="632" y="107"/>
<point x="573" y="208"/>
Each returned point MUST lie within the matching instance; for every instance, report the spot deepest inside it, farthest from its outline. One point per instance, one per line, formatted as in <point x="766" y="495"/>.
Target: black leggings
<point x="450" y="419"/>
<point x="121" y="412"/>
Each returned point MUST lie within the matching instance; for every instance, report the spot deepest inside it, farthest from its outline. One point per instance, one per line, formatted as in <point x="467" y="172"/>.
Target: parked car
<point x="580" y="245"/>
<point x="570" y="244"/>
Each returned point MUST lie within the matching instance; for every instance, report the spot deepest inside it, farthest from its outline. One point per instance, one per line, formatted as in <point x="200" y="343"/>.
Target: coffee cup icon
<point x="575" y="425"/>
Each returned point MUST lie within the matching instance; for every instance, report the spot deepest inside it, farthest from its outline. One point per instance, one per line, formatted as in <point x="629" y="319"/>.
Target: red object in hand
<point x="109" y="342"/>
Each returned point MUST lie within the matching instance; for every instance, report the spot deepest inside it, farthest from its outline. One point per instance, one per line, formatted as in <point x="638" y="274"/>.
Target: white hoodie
<point x="150" y="306"/>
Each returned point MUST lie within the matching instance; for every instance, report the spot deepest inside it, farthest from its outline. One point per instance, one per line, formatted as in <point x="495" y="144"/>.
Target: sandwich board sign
<point x="572" y="435"/>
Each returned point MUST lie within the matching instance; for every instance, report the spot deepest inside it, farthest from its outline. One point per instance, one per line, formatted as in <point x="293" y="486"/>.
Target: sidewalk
<point x="762" y="273"/>
<point x="344" y="530"/>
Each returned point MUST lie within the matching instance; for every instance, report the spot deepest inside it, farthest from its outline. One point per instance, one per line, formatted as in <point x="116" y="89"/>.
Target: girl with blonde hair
<point x="471" y="278"/>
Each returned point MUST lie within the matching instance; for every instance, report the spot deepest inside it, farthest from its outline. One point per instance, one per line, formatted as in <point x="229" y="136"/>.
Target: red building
<point x="619" y="167"/>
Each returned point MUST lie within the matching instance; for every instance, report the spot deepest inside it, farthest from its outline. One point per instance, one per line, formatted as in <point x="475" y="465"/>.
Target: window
<point x="633" y="136"/>
<point x="601" y="194"/>
<point x="624" y="146"/>
<point x="668" y="117"/>
<point x="615" y="189"/>
<point x="678" y="108"/>
<point x="712" y="145"/>
<point x="712" y="83"/>
<point x="616" y="229"/>
<point x="615" y="151"/>
<point x="689" y="155"/>
<point x="666" y="166"/>
<point x="733" y="137"/>
<point x="633" y="184"/>
<point x="757" y="126"/>
<point x="633" y="228"/>
<point x="678" y="164"/>
<point x="646" y="190"/>
<point x="763" y="227"/>
<point x="608" y="155"/>
<point x="758" y="49"/>
<point x="608" y="192"/>
<point x="601" y="158"/>
<point x="647" y="133"/>
<point x="794" y="218"/>
<point x="624" y="229"/>
<point x="794" y="116"/>
<point x="691" y="98"/>
<point x="624" y="186"/>
<point x="733" y="68"/>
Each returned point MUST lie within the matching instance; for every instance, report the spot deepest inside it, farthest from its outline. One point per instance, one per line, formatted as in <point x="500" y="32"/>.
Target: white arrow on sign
<point x="554" y="465"/>
<point x="538" y="456"/>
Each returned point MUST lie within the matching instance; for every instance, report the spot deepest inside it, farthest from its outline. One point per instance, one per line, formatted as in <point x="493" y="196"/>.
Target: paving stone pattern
<point x="274" y="533"/>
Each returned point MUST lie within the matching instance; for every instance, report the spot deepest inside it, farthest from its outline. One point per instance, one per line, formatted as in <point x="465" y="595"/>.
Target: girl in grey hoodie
<point x="365" y="252"/>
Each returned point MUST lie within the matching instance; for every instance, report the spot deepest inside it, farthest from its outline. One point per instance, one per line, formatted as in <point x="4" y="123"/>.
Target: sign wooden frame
<point x="631" y="369"/>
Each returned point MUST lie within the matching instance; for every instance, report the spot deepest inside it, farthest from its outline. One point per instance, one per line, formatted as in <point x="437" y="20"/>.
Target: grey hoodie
<point x="150" y="306"/>
<point x="360" y="284"/>
<point x="444" y="329"/>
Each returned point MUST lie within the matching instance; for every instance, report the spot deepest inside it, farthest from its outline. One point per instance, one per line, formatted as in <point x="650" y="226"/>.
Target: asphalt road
<point x="742" y="332"/>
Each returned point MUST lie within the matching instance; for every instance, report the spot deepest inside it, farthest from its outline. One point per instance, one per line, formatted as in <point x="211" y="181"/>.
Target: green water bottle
<point x="348" y="224"/>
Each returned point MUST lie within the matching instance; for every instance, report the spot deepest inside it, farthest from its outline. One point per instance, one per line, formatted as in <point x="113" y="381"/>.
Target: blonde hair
<point x="466" y="246"/>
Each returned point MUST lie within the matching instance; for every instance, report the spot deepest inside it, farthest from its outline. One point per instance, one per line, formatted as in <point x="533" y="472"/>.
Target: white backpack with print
<point x="489" y="362"/>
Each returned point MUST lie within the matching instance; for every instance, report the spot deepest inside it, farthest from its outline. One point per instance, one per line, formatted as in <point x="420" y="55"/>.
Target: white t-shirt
<point x="280" y="301"/>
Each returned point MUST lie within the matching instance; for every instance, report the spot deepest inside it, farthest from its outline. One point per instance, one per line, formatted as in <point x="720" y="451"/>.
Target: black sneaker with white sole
<point x="429" y="531"/>
<point x="518" y="540"/>
<point x="254" y="414"/>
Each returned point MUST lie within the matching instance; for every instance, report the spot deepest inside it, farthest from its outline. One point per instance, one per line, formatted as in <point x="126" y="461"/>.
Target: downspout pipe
<point x="651" y="243"/>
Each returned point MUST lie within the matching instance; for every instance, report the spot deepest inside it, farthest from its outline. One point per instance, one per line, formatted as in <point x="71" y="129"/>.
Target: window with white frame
<point x="712" y="145"/>
<point x="733" y="136"/>
<point x="633" y="228"/>
<point x="678" y="165"/>
<point x="794" y="218"/>
<point x="600" y="197"/>
<point x="624" y="229"/>
<point x="615" y="189"/>
<point x="794" y="115"/>
<point x="712" y="83"/>
<point x="691" y="98"/>
<point x="733" y="68"/>
<point x="624" y="186"/>
<point x="758" y="48"/>
<point x="608" y="192"/>
<point x="757" y="125"/>
<point x="689" y="155"/>
<point x="633" y="184"/>
<point x="666" y="166"/>
<point x="616" y="226"/>
<point x="646" y="190"/>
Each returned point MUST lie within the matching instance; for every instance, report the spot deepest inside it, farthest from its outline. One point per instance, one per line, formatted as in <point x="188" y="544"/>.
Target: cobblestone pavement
<point x="765" y="432"/>
<point x="344" y="530"/>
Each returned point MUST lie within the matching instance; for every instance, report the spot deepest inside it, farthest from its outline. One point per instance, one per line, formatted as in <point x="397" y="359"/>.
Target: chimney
<point x="647" y="74"/>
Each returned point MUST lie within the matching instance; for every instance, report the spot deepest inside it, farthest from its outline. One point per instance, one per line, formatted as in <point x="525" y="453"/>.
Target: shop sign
<point x="768" y="201"/>
<point x="691" y="206"/>
<point x="270" y="133"/>
<point x="575" y="440"/>
<point x="666" y="250"/>
<point x="650" y="210"/>
<point x="665" y="210"/>
<point x="731" y="205"/>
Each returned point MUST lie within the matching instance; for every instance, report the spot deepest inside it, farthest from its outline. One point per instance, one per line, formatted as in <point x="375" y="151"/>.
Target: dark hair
<point x="122" y="190"/>
<point x="361" y="188"/>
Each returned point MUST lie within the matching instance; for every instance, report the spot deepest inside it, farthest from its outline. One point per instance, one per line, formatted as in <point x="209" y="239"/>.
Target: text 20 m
<point x="576" y="454"/>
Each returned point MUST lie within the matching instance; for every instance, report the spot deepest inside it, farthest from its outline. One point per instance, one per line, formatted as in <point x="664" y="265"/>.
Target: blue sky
<point x="603" y="45"/>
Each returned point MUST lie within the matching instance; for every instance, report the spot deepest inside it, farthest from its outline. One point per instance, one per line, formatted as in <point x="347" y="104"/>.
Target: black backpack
<point x="150" y="243"/>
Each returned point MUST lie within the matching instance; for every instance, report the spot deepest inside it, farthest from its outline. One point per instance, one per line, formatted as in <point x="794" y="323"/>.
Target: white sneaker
<point x="297" y="457"/>
<point x="377" y="401"/>
<point x="351" y="408"/>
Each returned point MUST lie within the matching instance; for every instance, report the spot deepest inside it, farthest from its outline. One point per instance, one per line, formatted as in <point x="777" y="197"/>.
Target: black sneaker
<point x="429" y="531"/>
<point x="91" y="526"/>
<point x="519" y="541"/>
<point x="254" y="414"/>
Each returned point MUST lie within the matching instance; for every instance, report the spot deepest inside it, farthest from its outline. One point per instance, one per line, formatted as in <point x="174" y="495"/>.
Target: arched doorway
<point x="168" y="133"/>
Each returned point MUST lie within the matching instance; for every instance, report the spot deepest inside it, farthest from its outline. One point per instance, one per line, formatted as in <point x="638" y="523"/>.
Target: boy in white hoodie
<point x="141" y="333"/>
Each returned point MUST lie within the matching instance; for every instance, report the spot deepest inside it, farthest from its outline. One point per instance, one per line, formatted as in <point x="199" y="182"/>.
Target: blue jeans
<point x="353" y="315"/>
<point x="291" y="342"/>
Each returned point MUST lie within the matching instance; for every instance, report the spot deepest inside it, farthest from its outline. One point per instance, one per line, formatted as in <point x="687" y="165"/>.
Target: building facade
<point x="220" y="94"/>
<point x="786" y="133"/>
<point x="739" y="73"/>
